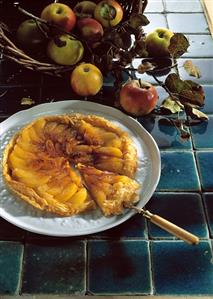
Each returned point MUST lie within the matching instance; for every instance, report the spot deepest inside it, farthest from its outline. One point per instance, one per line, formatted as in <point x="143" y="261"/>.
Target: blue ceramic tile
<point x="154" y="6"/>
<point x="204" y="65"/>
<point x="208" y="201"/>
<point x="156" y="20"/>
<point x="54" y="268"/>
<point x="182" y="209"/>
<point x="205" y="167"/>
<point x="208" y="107"/>
<point x="178" y="172"/>
<point x="119" y="267"/>
<point x="182" y="269"/>
<point x="9" y="231"/>
<point x="190" y="23"/>
<point x="202" y="134"/>
<point x="10" y="267"/>
<point x="183" y="6"/>
<point x="200" y="46"/>
<point x="164" y="133"/>
<point x="132" y="228"/>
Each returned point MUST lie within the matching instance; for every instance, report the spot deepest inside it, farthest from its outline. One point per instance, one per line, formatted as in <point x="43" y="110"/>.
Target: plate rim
<point x="38" y="108"/>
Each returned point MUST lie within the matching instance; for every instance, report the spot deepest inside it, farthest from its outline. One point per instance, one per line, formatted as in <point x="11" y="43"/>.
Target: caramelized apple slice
<point x="109" y="151"/>
<point x="34" y="137"/>
<point x="22" y="154"/>
<point x="92" y="135"/>
<point x="67" y="193"/>
<point x="111" y="164"/>
<point x="25" y="136"/>
<point x="29" y="178"/>
<point x="79" y="197"/>
<point x="16" y="162"/>
<point x="39" y="125"/>
<point x="27" y="146"/>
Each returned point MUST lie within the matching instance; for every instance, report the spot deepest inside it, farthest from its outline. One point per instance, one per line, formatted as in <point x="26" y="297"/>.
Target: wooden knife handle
<point x="174" y="229"/>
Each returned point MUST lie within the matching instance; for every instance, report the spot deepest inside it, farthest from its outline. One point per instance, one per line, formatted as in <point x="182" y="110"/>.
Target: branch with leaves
<point x="114" y="54"/>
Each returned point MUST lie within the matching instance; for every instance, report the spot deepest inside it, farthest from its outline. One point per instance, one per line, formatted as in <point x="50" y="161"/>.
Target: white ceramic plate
<point x="24" y="216"/>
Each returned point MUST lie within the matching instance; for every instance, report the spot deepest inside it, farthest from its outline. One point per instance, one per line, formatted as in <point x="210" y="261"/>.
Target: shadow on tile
<point x="119" y="267"/>
<point x="208" y="201"/>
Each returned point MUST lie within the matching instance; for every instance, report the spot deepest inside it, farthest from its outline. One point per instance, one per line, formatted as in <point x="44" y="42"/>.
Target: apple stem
<point x="140" y="82"/>
<point x="41" y="29"/>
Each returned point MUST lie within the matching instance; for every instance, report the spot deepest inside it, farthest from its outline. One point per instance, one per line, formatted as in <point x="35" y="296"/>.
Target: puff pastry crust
<point x="68" y="164"/>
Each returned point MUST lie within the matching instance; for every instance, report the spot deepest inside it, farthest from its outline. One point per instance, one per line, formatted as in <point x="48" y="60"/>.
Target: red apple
<point x="138" y="97"/>
<point x="59" y="14"/>
<point x="90" y="29"/>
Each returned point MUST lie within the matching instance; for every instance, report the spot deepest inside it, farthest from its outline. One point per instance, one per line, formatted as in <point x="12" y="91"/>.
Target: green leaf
<point x="172" y="105"/>
<point x="191" y="69"/>
<point x="178" y="45"/>
<point x="193" y="94"/>
<point x="193" y="97"/>
<point x="188" y="92"/>
<point x="138" y="20"/>
<point x="175" y="84"/>
<point x="198" y="114"/>
<point x="27" y="101"/>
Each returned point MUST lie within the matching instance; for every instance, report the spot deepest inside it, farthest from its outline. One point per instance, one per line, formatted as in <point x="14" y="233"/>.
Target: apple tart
<point x="68" y="164"/>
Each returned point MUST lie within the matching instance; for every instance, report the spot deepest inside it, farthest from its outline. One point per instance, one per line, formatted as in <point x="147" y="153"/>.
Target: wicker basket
<point x="12" y="52"/>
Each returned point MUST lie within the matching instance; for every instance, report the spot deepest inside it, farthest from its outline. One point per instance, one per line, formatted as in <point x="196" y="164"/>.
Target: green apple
<point x="29" y="35"/>
<point x="65" y="50"/>
<point x="158" y="41"/>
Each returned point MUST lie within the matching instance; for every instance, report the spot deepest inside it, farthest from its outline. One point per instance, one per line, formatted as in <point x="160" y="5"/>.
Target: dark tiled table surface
<point x="136" y="257"/>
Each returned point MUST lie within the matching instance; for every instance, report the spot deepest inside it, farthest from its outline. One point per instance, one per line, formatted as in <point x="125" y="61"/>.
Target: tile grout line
<point x="86" y="267"/>
<point x="21" y="274"/>
<point x="152" y="281"/>
<point x="194" y="151"/>
<point x="206" y="216"/>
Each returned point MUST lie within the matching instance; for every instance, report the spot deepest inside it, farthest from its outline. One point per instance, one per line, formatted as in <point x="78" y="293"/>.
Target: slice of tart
<point x="112" y="192"/>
